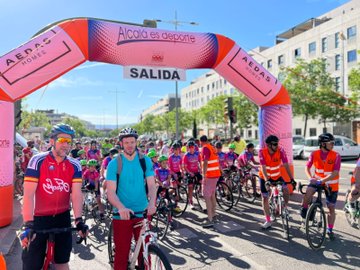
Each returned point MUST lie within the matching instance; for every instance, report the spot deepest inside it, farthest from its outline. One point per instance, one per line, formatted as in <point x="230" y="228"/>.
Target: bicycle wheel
<point x="179" y="196"/>
<point x="236" y="191"/>
<point x="272" y="206"/>
<point x="111" y="245"/>
<point x="347" y="213"/>
<point x="156" y="259"/>
<point x="315" y="224"/>
<point x="285" y="220"/>
<point x="199" y="197"/>
<point x="224" y="196"/>
<point x="249" y="189"/>
<point x="161" y="219"/>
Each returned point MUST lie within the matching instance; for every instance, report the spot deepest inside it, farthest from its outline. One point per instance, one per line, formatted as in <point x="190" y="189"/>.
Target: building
<point x="163" y="105"/>
<point x="332" y="36"/>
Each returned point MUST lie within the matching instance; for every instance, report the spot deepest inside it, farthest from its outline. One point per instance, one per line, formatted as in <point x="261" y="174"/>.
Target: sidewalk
<point x="8" y="234"/>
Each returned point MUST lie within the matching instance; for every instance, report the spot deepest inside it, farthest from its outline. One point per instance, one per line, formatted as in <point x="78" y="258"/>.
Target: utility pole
<point x="176" y="22"/>
<point x="116" y="102"/>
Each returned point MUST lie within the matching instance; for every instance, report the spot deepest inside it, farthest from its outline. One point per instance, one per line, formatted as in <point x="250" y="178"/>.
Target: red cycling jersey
<point x="54" y="181"/>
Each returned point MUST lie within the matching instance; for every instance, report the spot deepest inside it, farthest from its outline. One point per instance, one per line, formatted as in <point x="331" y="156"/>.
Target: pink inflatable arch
<point x="71" y="42"/>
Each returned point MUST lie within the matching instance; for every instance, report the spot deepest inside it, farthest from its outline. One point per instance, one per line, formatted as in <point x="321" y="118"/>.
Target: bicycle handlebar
<point x="62" y="230"/>
<point x="317" y="187"/>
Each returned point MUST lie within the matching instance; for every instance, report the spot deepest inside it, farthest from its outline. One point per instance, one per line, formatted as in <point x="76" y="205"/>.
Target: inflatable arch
<point x="69" y="43"/>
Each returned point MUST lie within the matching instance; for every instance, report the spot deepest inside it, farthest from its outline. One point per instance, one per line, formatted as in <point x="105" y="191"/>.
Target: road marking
<point x="228" y="226"/>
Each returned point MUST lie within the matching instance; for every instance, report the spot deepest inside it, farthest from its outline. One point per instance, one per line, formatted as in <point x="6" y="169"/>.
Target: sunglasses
<point x="274" y="144"/>
<point x="64" y="140"/>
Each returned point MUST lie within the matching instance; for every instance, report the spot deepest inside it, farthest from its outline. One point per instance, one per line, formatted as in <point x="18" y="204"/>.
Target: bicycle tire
<point x="111" y="245"/>
<point x="315" y="225"/>
<point x="182" y="203"/>
<point x="285" y="220"/>
<point x="224" y="196"/>
<point x="161" y="219"/>
<point x="199" y="197"/>
<point x="353" y="222"/>
<point x="272" y="207"/>
<point x="236" y="191"/>
<point x="249" y="193"/>
<point x="157" y="256"/>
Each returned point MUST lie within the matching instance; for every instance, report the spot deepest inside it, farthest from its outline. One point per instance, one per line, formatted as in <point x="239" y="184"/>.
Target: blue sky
<point x="89" y="90"/>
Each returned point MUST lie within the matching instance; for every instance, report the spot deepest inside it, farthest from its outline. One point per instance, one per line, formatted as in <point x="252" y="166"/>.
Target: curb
<point x="8" y="234"/>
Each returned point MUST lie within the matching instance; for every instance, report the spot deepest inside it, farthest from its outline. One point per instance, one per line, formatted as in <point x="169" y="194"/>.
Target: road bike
<point x="353" y="220"/>
<point x="278" y="207"/>
<point x="90" y="205"/>
<point x="153" y="256"/>
<point x="315" y="221"/>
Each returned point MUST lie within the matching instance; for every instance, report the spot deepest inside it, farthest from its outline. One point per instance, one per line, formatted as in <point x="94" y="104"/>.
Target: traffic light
<point x="17" y="113"/>
<point x="232" y="116"/>
<point x="228" y="107"/>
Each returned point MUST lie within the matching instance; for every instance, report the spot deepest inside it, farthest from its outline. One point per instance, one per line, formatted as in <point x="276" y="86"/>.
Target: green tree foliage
<point x="79" y="127"/>
<point x="246" y="111"/>
<point x="31" y="119"/>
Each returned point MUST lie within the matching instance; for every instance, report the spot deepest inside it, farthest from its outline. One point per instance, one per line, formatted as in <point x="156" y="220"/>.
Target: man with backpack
<point x="126" y="190"/>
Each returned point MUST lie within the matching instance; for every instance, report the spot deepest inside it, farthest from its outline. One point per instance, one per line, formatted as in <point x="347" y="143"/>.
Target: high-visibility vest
<point x="353" y="175"/>
<point x="323" y="169"/>
<point x="213" y="166"/>
<point x="273" y="164"/>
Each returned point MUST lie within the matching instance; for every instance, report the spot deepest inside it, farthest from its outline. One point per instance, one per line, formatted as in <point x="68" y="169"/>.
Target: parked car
<point x="346" y="147"/>
<point x="298" y="146"/>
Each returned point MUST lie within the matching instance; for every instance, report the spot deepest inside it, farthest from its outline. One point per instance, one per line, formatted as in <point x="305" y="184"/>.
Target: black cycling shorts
<point x="264" y="191"/>
<point x="33" y="258"/>
<point x="198" y="177"/>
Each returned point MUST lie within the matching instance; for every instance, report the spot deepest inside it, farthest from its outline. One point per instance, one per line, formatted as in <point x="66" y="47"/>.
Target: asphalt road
<point x="236" y="242"/>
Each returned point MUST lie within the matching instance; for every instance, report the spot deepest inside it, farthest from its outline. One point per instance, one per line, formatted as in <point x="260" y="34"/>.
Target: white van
<point x="346" y="147"/>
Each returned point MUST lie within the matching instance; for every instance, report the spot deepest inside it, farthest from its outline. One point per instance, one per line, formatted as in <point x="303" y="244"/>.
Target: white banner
<point x="154" y="73"/>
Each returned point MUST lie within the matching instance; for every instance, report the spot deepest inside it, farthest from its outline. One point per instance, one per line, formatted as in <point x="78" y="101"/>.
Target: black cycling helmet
<point x="218" y="144"/>
<point x="30" y="143"/>
<point x="176" y="145"/>
<point x="62" y="128"/>
<point x="113" y="151"/>
<point x="326" y="137"/>
<point x="128" y="132"/>
<point x="250" y="145"/>
<point x="190" y="143"/>
<point x="271" y="139"/>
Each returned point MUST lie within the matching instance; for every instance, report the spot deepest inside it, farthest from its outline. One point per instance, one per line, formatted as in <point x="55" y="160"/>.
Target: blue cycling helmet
<point x="62" y="129"/>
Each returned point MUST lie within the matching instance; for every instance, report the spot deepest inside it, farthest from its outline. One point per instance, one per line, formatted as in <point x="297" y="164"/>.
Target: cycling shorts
<point x="33" y="258"/>
<point x="190" y="179"/>
<point x="264" y="191"/>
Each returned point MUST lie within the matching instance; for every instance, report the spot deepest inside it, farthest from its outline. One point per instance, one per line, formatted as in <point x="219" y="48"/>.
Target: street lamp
<point x="176" y="22"/>
<point x="116" y="100"/>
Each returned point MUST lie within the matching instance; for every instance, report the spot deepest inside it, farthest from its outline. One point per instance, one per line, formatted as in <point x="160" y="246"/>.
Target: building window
<point x="337" y="62"/>
<point x="297" y="52"/>
<point x="197" y="91"/>
<point x="225" y="92"/>
<point x="312" y="47"/>
<point x="312" y="131"/>
<point x="232" y="91"/>
<point x="351" y="32"/>
<point x="351" y="56"/>
<point x="256" y="134"/>
<point x="297" y="131"/>
<point x="202" y="89"/>
<point x="208" y="87"/>
<point x="337" y="84"/>
<point x="269" y="63"/>
<point x="213" y="85"/>
<point x="281" y="59"/>
<point x="249" y="133"/>
<point x="225" y="81"/>
<point x="324" y="44"/>
<point x="337" y="40"/>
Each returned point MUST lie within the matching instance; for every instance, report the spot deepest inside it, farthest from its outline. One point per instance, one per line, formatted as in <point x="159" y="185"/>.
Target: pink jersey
<point x="230" y="158"/>
<point x="91" y="177"/>
<point x="245" y="158"/>
<point x="175" y="163"/>
<point x="191" y="162"/>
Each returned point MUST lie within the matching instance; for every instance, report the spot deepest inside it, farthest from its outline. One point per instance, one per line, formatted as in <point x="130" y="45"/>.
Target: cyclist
<point x="355" y="190"/>
<point x="112" y="153"/>
<point x="75" y="152"/>
<point x="128" y="194"/>
<point x="83" y="164"/>
<point x="93" y="152"/>
<point x="230" y="157"/>
<point x="154" y="158"/>
<point x="240" y="144"/>
<point x="81" y="154"/>
<point x="271" y="158"/>
<point x="175" y="162"/>
<point x="91" y="179"/>
<point x="51" y="181"/>
<point x="105" y="147"/>
<point x="27" y="153"/>
<point x="192" y="168"/>
<point x="327" y="165"/>
<point x="211" y="172"/>
<point x="221" y="155"/>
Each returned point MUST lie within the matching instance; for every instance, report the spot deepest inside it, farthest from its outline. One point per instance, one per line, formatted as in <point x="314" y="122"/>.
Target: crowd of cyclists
<point x="111" y="165"/>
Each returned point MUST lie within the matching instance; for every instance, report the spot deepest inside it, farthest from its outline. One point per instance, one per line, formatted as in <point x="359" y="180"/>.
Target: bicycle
<point x="354" y="221"/>
<point x="179" y="196"/>
<point x="50" y="248"/>
<point x="278" y="207"/>
<point x="153" y="257"/>
<point x="315" y="221"/>
<point x="90" y="206"/>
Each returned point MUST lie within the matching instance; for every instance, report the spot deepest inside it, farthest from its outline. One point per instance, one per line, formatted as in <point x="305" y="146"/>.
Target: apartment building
<point x="163" y="105"/>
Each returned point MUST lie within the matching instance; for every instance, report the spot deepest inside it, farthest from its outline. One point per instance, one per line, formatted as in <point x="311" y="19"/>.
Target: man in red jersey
<point x="51" y="180"/>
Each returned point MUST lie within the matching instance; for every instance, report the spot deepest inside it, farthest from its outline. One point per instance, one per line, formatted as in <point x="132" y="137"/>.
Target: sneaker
<point x="177" y="209"/>
<point x="208" y="224"/>
<point x="216" y="219"/>
<point x="303" y="212"/>
<point x="266" y="225"/>
<point x="331" y="236"/>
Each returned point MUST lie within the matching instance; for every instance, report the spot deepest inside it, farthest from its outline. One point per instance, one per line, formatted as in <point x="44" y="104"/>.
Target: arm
<point x="287" y="168"/>
<point x="29" y="201"/>
<point x="77" y="199"/>
<point x="115" y="201"/>
<point x="263" y="169"/>
<point x="152" y="194"/>
<point x="330" y="176"/>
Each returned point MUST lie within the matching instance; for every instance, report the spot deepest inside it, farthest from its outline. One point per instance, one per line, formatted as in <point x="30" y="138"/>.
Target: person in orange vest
<point x="354" y="194"/>
<point x="271" y="157"/>
<point x="327" y="165"/>
<point x="211" y="173"/>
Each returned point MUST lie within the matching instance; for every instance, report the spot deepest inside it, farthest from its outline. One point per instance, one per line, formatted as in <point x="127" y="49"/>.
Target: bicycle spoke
<point x="315" y="226"/>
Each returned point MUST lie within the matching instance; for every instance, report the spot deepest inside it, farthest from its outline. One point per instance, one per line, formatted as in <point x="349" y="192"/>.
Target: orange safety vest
<point x="213" y="165"/>
<point x="273" y="164"/>
<point x="323" y="169"/>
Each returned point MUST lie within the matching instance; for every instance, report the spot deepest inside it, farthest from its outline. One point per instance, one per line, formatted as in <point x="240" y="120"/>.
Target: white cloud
<point x="68" y="82"/>
<point x="155" y="96"/>
<point x="140" y="94"/>
<point x="85" y="66"/>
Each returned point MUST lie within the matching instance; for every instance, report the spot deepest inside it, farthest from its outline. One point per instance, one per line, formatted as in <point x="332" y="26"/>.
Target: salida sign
<point x="152" y="73"/>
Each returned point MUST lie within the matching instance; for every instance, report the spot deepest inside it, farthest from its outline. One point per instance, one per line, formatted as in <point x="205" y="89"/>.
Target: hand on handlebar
<point x="83" y="231"/>
<point x="315" y="182"/>
<point x="125" y="213"/>
<point x="27" y="235"/>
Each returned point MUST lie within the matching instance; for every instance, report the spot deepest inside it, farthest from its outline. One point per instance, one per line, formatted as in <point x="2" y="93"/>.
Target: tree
<point x="246" y="111"/>
<point x="79" y="127"/>
<point x="31" y="119"/>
